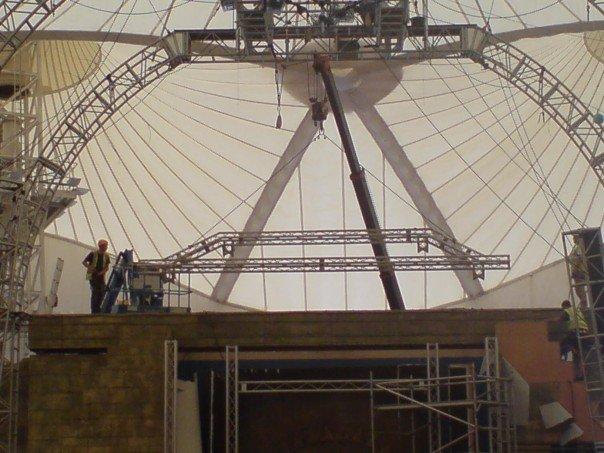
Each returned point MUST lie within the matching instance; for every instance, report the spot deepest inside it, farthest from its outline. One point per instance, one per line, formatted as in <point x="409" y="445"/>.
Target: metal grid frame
<point x="592" y="342"/>
<point x="60" y="152"/>
<point x="19" y="19"/>
<point x="9" y="382"/>
<point x="494" y="401"/>
<point x="434" y="421"/>
<point x="225" y="242"/>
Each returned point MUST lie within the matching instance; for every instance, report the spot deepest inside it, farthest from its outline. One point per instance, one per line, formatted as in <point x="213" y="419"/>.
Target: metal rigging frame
<point x="589" y="286"/>
<point x="47" y="173"/>
<point x="19" y="19"/>
<point x="492" y="401"/>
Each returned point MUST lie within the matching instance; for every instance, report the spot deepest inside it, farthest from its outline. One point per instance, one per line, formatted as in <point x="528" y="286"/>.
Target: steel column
<point x="170" y="382"/>
<point x="232" y="399"/>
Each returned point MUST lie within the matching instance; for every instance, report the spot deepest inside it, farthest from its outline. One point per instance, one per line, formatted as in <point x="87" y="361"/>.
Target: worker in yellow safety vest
<point x="578" y="268"/>
<point x="97" y="265"/>
<point x="574" y="322"/>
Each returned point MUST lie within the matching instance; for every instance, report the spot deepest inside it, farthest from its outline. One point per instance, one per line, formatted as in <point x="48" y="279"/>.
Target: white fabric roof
<point x="193" y="154"/>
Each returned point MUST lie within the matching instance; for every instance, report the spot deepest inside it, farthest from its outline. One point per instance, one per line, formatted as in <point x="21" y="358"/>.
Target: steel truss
<point x="457" y="256"/>
<point x="585" y="266"/>
<point x="231" y="362"/>
<point x="545" y="89"/>
<point x="170" y="391"/>
<point x="427" y="394"/>
<point x="46" y="173"/>
<point x="226" y="242"/>
<point x="18" y="20"/>
<point x="327" y="264"/>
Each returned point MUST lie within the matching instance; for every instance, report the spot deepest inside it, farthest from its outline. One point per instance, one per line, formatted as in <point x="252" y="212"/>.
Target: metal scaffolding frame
<point x="65" y="143"/>
<point x="231" y="360"/>
<point x="19" y="19"/>
<point x="45" y="174"/>
<point x="9" y="380"/>
<point x="434" y="422"/>
<point x="587" y="299"/>
<point x="170" y="391"/>
<point x="487" y="395"/>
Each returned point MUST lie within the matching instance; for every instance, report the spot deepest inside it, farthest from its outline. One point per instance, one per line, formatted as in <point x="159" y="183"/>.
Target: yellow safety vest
<point x="92" y="266"/>
<point x="577" y="261"/>
<point x="576" y="320"/>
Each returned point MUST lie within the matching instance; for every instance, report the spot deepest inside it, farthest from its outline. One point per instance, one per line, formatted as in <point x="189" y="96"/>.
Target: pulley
<point x="319" y="111"/>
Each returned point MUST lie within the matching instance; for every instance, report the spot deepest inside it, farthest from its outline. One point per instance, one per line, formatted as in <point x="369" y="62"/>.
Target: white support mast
<point x="280" y="177"/>
<point x="409" y="177"/>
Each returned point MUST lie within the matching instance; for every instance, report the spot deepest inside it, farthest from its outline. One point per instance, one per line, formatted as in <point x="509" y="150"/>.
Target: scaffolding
<point x="487" y="420"/>
<point x="232" y="399"/>
<point x="584" y="257"/>
<point x="170" y="391"/>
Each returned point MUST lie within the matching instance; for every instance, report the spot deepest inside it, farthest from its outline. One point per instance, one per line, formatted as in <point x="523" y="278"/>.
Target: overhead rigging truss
<point x="455" y="255"/>
<point x="18" y="20"/>
<point x="94" y="109"/>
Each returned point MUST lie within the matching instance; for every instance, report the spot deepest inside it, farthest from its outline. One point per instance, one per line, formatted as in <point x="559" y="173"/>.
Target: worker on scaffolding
<point x="578" y="269"/>
<point x="574" y="326"/>
<point x="97" y="265"/>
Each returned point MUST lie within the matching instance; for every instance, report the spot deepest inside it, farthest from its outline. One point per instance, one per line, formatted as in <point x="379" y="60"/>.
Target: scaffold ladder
<point x="501" y="429"/>
<point x="584" y="257"/>
<point x="232" y="399"/>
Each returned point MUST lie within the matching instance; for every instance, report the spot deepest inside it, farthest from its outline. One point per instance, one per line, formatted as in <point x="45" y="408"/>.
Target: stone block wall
<point x="96" y="383"/>
<point x="97" y="402"/>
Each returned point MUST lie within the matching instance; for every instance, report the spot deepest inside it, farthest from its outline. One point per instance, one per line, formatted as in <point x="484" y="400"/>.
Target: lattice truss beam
<point x="227" y="241"/>
<point x="545" y="89"/>
<point x="456" y="255"/>
<point x="18" y="20"/>
<point x="152" y="63"/>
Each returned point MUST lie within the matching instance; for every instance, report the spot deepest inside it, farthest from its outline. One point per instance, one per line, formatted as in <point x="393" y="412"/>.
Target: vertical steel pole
<point x="232" y="399"/>
<point x="211" y="447"/>
<point x="433" y="374"/>
<point x="372" y="409"/>
<point x="170" y="383"/>
<point x="361" y="189"/>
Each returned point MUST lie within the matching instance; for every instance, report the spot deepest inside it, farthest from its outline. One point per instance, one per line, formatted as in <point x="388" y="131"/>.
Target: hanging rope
<point x="279" y="89"/>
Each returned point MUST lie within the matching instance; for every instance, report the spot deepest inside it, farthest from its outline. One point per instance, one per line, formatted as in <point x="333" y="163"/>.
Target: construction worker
<point x="97" y="265"/>
<point x="573" y="321"/>
<point x="578" y="268"/>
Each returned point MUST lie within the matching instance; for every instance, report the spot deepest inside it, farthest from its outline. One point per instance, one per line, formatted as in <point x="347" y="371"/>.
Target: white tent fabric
<point x="193" y="153"/>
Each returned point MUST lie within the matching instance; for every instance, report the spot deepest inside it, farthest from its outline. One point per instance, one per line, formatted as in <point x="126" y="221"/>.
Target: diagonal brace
<point x="361" y="189"/>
